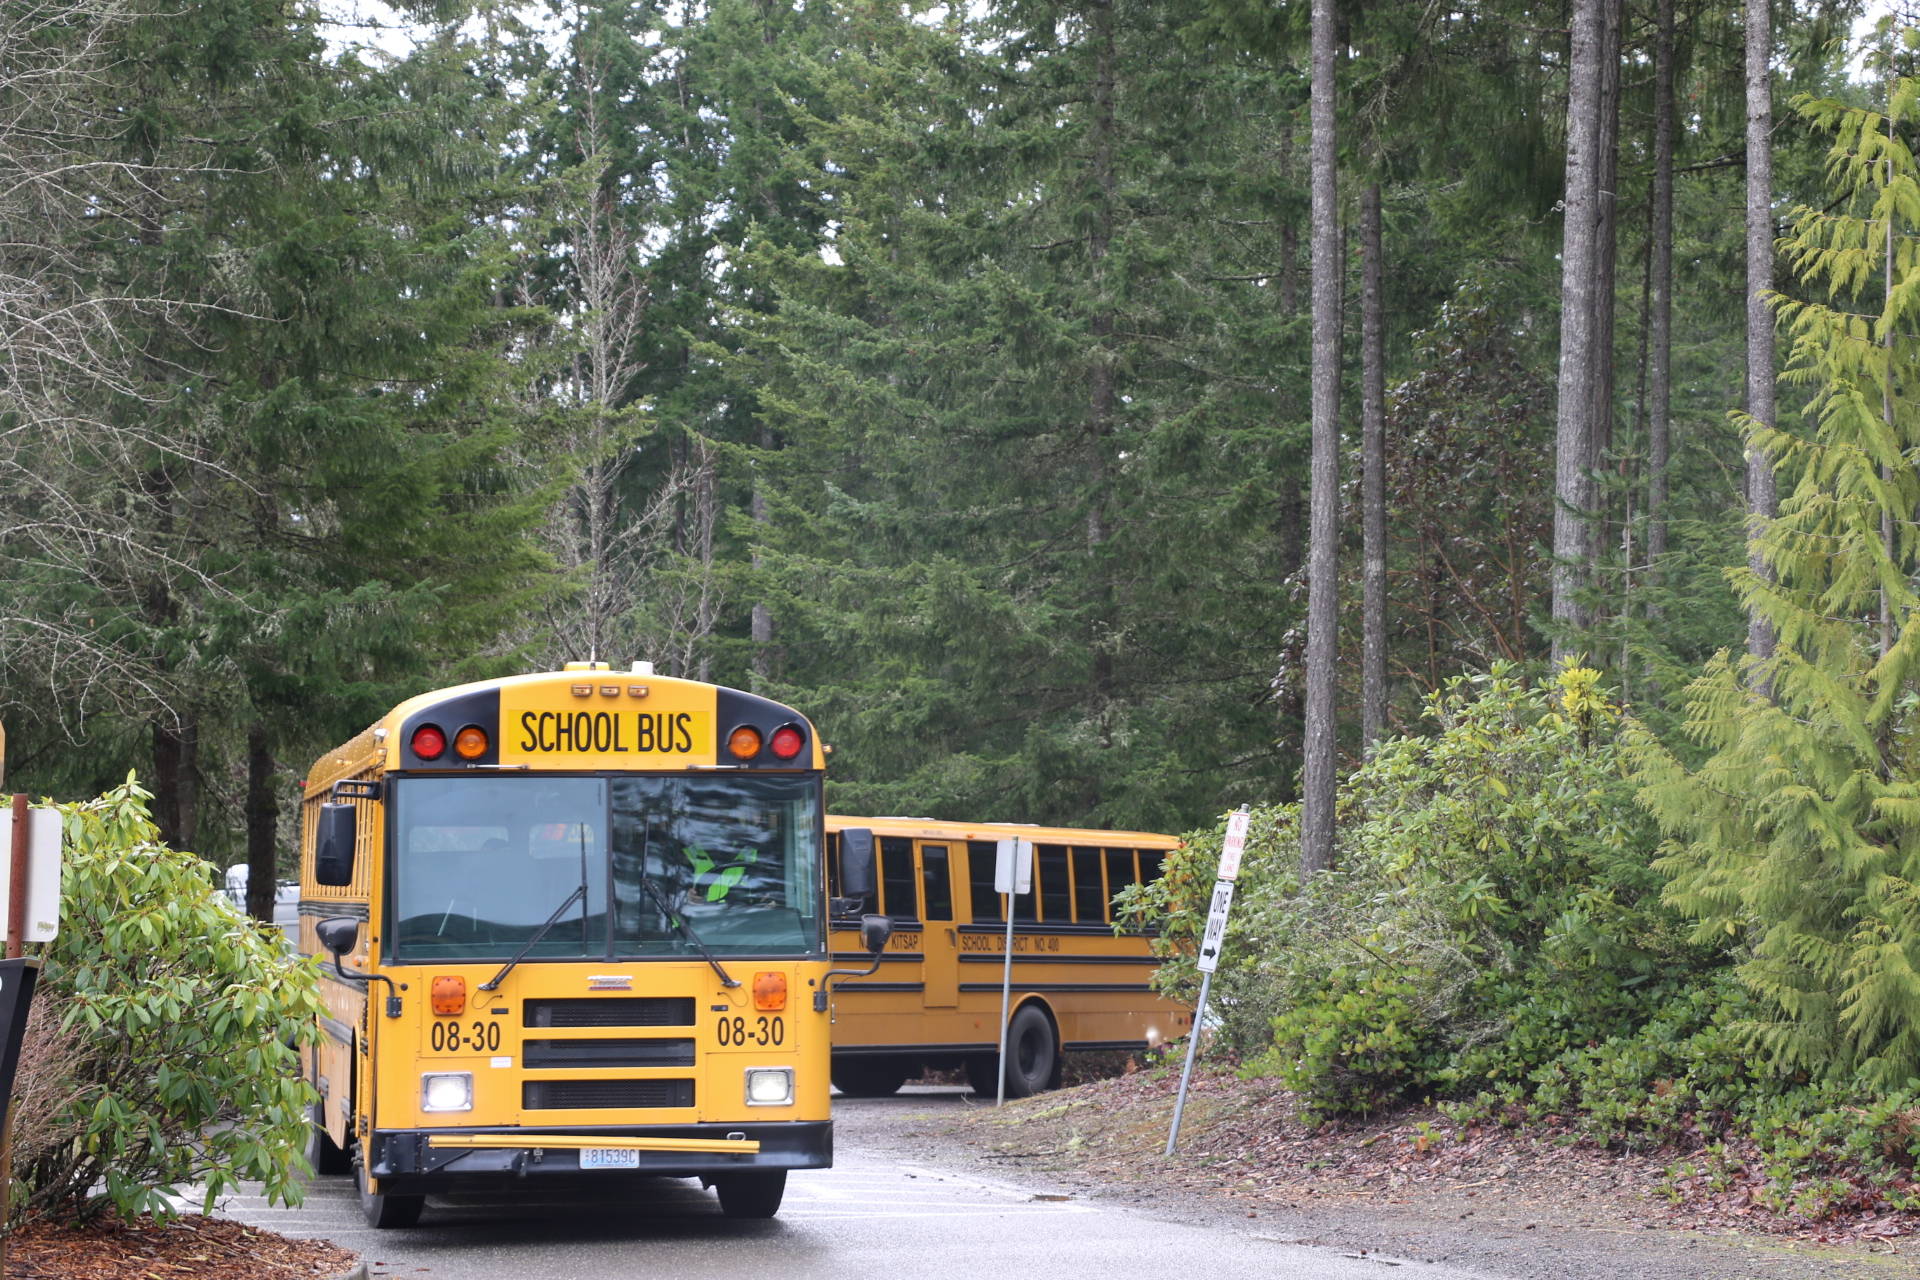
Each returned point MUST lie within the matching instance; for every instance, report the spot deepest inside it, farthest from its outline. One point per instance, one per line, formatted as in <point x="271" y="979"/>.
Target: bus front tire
<point x="388" y="1211"/>
<point x="869" y="1078"/>
<point x="327" y="1159"/>
<point x="1031" y="1053"/>
<point x="751" y="1195"/>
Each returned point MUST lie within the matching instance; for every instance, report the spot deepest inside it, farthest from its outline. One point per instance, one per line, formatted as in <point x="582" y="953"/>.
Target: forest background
<point x="973" y="379"/>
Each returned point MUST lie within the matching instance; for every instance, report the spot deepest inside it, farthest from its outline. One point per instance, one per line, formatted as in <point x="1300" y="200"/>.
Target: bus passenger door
<point x="939" y="941"/>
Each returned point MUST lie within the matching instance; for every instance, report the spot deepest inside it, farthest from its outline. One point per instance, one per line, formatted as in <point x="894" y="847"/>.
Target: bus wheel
<point x="385" y="1211"/>
<point x="325" y="1157"/>
<point x="751" y="1195"/>
<point x="869" y="1078"/>
<point x="1031" y="1053"/>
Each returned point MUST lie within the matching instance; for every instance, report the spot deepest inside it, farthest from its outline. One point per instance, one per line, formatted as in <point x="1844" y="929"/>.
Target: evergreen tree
<point x="1799" y="834"/>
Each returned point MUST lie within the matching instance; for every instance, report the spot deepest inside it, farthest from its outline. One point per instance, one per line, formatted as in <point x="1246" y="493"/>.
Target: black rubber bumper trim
<point x="406" y="1163"/>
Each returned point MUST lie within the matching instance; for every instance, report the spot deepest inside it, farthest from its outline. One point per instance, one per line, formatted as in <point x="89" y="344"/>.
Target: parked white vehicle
<point x="286" y="891"/>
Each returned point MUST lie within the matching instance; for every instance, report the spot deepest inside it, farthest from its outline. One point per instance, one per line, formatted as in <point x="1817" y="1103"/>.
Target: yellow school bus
<point x="935" y="1000"/>
<point x="573" y="926"/>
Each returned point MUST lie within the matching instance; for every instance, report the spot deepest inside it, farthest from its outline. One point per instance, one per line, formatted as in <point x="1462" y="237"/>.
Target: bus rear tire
<point x="1032" y="1053"/>
<point x="751" y="1195"/>
<point x="869" y="1077"/>
<point x="327" y="1159"/>
<point x="384" y="1211"/>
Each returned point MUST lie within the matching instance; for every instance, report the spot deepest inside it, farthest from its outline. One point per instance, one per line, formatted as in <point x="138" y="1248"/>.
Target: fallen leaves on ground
<point x="203" y="1248"/>
<point x="1245" y="1140"/>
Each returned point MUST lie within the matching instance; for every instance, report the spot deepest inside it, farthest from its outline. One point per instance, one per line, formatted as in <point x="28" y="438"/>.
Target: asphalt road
<point x="871" y="1216"/>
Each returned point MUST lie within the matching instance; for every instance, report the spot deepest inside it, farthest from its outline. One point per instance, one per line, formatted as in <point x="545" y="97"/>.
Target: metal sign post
<point x="1210" y="941"/>
<point x="1012" y="875"/>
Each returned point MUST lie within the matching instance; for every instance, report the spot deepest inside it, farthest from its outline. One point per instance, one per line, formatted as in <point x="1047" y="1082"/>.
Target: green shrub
<point x="1492" y="893"/>
<point x="165" y="1019"/>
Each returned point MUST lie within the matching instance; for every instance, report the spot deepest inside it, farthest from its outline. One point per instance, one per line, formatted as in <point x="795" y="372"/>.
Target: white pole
<point x="1006" y="997"/>
<point x="1186" y="1072"/>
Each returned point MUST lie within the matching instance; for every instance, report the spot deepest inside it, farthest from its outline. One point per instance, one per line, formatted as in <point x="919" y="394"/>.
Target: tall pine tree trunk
<point x="1373" y="487"/>
<point x="1660" y="304"/>
<point x="1101" y="392"/>
<point x="1574" y="428"/>
<point x="263" y="823"/>
<point x="1605" y="259"/>
<point x="1323" y="618"/>
<point x="761" y="620"/>
<point x="1761" y="499"/>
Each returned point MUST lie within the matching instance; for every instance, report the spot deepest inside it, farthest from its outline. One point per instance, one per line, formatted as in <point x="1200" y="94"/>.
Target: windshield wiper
<point x="660" y="901"/>
<point x="579" y="892"/>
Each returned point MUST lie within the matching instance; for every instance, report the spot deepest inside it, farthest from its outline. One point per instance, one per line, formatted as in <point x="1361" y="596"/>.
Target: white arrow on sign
<point x="1216" y="925"/>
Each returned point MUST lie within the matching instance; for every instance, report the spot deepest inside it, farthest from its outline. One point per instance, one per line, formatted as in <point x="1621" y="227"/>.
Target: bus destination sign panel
<point x="667" y="733"/>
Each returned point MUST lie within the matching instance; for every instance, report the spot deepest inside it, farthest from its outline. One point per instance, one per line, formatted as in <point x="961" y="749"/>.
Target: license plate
<point x="608" y="1158"/>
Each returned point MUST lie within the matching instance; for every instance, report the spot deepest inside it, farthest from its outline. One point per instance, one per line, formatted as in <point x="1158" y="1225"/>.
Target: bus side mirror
<point x="874" y="933"/>
<point x="338" y="935"/>
<point x="856" y="863"/>
<point x="333" y="846"/>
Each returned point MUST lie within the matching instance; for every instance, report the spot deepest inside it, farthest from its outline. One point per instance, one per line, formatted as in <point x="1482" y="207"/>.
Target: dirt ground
<point x="1496" y="1201"/>
<point x="202" y="1248"/>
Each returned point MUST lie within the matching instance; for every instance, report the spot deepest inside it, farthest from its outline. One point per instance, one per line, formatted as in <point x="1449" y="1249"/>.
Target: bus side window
<point x="936" y="884"/>
<point x="1120" y="871"/>
<point x="899" y="901"/>
<point x="1089" y="897"/>
<point x="1056" y="894"/>
<point x="833" y="864"/>
<point x="1026" y="906"/>
<point x="1150" y="860"/>
<point x="986" y="903"/>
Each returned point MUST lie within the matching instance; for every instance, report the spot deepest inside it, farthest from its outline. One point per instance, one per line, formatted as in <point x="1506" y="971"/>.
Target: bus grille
<point x="614" y="1011"/>
<point x="583" y="1095"/>
<point x="537" y="1054"/>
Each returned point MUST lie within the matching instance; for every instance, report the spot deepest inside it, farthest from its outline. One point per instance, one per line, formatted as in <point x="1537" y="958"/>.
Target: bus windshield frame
<point x="477" y="862"/>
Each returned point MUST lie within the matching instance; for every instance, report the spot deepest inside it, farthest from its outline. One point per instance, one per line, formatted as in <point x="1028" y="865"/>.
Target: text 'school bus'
<point x="935" y="999"/>
<point x="577" y="926"/>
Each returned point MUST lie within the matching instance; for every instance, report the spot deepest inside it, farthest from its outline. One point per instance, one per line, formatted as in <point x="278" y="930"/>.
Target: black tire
<point x="1032" y="1053"/>
<point x="751" y="1195"/>
<point x="869" y="1077"/>
<point x="386" y="1211"/>
<point x="327" y="1159"/>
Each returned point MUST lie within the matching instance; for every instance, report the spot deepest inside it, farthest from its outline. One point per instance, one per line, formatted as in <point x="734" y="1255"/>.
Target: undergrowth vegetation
<point x="159" y="1058"/>
<point x="1495" y="937"/>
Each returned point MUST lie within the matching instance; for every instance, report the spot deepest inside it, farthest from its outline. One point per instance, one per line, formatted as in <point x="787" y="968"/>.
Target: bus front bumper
<point x="429" y="1160"/>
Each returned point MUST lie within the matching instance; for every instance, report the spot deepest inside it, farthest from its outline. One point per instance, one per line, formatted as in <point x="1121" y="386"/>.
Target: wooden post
<point x="16" y="930"/>
<point x="17" y="879"/>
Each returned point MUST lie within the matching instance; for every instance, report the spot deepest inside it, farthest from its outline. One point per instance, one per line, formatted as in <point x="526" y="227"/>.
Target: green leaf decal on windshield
<point x="728" y="878"/>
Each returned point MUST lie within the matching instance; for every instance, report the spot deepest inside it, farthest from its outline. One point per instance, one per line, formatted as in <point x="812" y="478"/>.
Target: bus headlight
<point x="447" y="1091"/>
<point x="769" y="1086"/>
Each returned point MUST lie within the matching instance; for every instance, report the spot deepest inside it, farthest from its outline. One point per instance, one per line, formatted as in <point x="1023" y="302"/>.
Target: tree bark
<point x="1573" y="429"/>
<point x="1373" y="470"/>
<point x="1660" y="302"/>
<point x="1316" y="818"/>
<point x="263" y="827"/>
<point x="1762" y="501"/>
<point x="761" y="624"/>
<point x="1605" y="260"/>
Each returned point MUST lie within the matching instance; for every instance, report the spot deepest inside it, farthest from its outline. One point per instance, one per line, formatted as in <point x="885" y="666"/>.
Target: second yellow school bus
<point x="575" y="930"/>
<point x="935" y="999"/>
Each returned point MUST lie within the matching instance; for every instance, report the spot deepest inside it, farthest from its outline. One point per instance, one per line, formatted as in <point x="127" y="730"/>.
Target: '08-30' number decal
<point x="762" y="1031"/>
<point x="476" y="1037"/>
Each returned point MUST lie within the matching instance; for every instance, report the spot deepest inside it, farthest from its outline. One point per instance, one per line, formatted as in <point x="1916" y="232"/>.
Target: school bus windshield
<point x="482" y="862"/>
